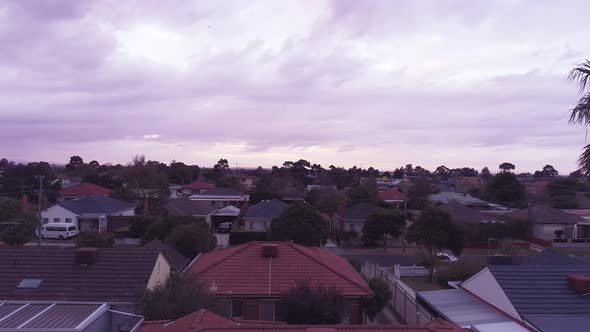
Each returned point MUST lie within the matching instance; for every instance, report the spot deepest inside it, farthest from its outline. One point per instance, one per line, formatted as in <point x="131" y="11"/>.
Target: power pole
<point x="40" y="178"/>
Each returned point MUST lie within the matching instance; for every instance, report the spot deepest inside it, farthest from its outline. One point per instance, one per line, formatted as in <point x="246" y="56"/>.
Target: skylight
<point x="29" y="283"/>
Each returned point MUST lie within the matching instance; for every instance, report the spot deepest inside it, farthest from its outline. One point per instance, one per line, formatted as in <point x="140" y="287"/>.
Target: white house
<point x="259" y="216"/>
<point x="88" y="213"/>
<point x="222" y="197"/>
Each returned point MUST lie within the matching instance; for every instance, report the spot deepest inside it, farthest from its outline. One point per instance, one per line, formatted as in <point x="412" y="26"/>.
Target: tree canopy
<point x="381" y="223"/>
<point x="308" y="304"/>
<point x="300" y="223"/>
<point x="507" y="167"/>
<point x="504" y="187"/>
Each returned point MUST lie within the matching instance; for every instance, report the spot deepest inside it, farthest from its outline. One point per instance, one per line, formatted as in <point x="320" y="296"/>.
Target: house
<point x="246" y="182"/>
<point x="206" y="321"/>
<point x="465" y="184"/>
<point x="213" y="214"/>
<point x="554" y="225"/>
<point x="353" y="218"/>
<point x="393" y="196"/>
<point x="220" y="197"/>
<point x="42" y="316"/>
<point x="451" y="196"/>
<point x="67" y="181"/>
<point x="88" y="213"/>
<point x="176" y="260"/>
<point x="195" y="187"/>
<point x="464" y="215"/>
<point x="539" y="190"/>
<point x="82" y="190"/>
<point x="320" y="187"/>
<point x="548" y="298"/>
<point x="252" y="277"/>
<point x="118" y="276"/>
<point x="259" y="216"/>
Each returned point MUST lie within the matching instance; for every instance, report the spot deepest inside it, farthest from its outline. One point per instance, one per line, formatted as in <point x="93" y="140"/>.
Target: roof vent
<point x="270" y="250"/>
<point x="579" y="283"/>
<point x="86" y="256"/>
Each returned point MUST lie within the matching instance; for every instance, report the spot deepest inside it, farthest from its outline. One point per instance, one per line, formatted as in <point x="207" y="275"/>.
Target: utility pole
<point x="40" y="178"/>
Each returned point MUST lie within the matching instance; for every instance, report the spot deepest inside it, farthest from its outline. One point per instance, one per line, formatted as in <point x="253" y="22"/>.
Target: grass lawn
<point x="575" y="252"/>
<point x="484" y="252"/>
<point x="420" y="284"/>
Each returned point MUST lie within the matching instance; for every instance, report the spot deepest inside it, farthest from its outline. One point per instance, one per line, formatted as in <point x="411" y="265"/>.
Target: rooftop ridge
<point x="236" y="249"/>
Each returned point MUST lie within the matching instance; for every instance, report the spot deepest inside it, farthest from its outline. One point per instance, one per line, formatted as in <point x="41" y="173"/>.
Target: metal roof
<point x="96" y="204"/>
<point x="266" y="209"/>
<point x="40" y="316"/>
<point x="462" y="308"/>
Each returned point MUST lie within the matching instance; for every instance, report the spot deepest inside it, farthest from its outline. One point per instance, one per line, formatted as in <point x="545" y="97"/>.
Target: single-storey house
<point x="196" y="187"/>
<point x="353" y="218"/>
<point x="221" y="197"/>
<point x="451" y="196"/>
<point x="213" y="214"/>
<point x="259" y="216"/>
<point x="82" y="190"/>
<point x="253" y="277"/>
<point x="393" y="196"/>
<point x="176" y="260"/>
<point x="88" y="213"/>
<point x="464" y="215"/>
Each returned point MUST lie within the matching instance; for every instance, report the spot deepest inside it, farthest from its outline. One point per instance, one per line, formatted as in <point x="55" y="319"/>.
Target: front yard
<point x="420" y="284"/>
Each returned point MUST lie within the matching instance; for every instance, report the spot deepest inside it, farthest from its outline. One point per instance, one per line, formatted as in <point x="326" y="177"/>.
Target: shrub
<point x="349" y="235"/>
<point x="460" y="270"/>
<point x="243" y="237"/>
<point x="95" y="240"/>
<point x="191" y="239"/>
<point x="356" y="264"/>
<point x="312" y="305"/>
<point x="382" y="292"/>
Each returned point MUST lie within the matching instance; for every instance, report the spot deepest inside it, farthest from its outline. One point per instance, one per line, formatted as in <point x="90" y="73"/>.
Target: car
<point x="446" y="256"/>
<point x="224" y="227"/>
<point x="57" y="231"/>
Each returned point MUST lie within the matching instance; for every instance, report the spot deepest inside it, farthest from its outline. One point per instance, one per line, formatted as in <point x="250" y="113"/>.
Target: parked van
<point x="57" y="230"/>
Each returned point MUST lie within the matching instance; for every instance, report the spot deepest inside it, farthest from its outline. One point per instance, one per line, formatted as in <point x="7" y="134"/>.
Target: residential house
<point x="246" y="182"/>
<point x="176" y="260"/>
<point x="253" y="277"/>
<point x="393" y="196"/>
<point x="259" y="216"/>
<point x="353" y="218"/>
<point x="465" y="199"/>
<point x="43" y="316"/>
<point x="464" y="215"/>
<point x="118" y="276"/>
<point x="221" y="197"/>
<point x="88" y="213"/>
<point x="538" y="190"/>
<point x="67" y="181"/>
<point x="212" y="214"/>
<point x="206" y="321"/>
<point x="82" y="190"/>
<point x="554" y="225"/>
<point x="196" y="187"/>
<point x="320" y="187"/>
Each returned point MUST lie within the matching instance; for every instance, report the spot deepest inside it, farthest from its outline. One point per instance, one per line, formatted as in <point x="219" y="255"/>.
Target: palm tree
<point x="580" y="114"/>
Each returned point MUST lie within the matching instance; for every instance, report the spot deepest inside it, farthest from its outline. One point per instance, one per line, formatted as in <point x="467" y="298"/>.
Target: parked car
<point x="224" y="227"/>
<point x="446" y="256"/>
<point x="57" y="230"/>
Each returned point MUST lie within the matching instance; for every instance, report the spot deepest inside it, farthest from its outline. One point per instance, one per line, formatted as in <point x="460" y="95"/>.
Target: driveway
<point x="222" y="240"/>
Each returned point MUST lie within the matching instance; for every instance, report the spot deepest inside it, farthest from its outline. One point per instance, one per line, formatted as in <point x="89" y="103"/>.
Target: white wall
<point x="546" y="232"/>
<point x="130" y="212"/>
<point x="256" y="225"/>
<point x="160" y="273"/>
<point x="57" y="211"/>
<point x="485" y="286"/>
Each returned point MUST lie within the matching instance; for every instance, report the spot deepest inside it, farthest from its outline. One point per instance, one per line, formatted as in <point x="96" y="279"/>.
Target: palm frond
<point x="584" y="161"/>
<point x="581" y="74"/>
<point x="580" y="115"/>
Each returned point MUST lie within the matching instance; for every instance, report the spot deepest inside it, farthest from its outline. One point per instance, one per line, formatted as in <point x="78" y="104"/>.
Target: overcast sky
<point x="346" y="82"/>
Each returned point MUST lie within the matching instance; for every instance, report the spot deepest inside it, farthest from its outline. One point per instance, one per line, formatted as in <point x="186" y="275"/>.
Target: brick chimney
<point x="86" y="256"/>
<point x="270" y="250"/>
<point x="25" y="201"/>
<point x="579" y="283"/>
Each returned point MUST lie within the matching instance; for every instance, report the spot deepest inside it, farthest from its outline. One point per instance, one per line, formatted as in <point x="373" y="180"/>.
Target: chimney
<point x="579" y="283"/>
<point x="25" y="203"/>
<point x="145" y="207"/>
<point x="270" y="250"/>
<point x="86" y="256"/>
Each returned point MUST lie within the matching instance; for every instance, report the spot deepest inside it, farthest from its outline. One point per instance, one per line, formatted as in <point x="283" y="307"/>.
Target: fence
<point x="409" y="271"/>
<point x="403" y="300"/>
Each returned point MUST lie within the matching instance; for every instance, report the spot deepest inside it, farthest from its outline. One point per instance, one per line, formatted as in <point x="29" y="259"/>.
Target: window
<point x="264" y="225"/>
<point x="71" y="228"/>
<point x="351" y="227"/>
<point x="267" y="310"/>
<point x="45" y="220"/>
<point x="237" y="308"/>
<point x="212" y="202"/>
<point x="278" y="315"/>
<point x="56" y="219"/>
<point x="69" y="220"/>
<point x="29" y="283"/>
<point x="251" y="226"/>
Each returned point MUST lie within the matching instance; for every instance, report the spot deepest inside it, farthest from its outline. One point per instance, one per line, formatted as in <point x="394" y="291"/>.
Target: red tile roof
<point x="198" y="185"/>
<point x="241" y="270"/>
<point x="203" y="320"/>
<point x="391" y="194"/>
<point x="85" y="189"/>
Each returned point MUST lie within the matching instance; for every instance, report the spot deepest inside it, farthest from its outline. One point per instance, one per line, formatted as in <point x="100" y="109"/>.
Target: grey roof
<point x="177" y="260"/>
<point x="462" y="308"/>
<point x="559" y="323"/>
<point x="359" y="211"/>
<point x="220" y="192"/>
<point x="266" y="209"/>
<point x="188" y="207"/>
<point x="552" y="257"/>
<point x="542" y="289"/>
<point x="546" y="215"/>
<point x="451" y="196"/>
<point x="462" y="214"/>
<point x="96" y="204"/>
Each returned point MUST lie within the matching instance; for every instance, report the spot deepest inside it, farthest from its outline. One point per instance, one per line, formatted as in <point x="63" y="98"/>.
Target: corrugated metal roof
<point x="42" y="316"/>
<point x="461" y="308"/>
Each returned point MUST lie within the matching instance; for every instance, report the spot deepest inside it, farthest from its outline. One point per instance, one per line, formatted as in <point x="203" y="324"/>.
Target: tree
<point x="179" y="296"/>
<point x="308" y="304"/>
<point x="580" y="114"/>
<point x="94" y="164"/>
<point x="300" y="223"/>
<point x="505" y="187"/>
<point x="432" y="232"/>
<point x="4" y="163"/>
<point x="442" y="172"/>
<point x="485" y="173"/>
<point x="357" y="194"/>
<point x="374" y="305"/>
<point x="507" y="167"/>
<point x="547" y="172"/>
<point x="417" y="198"/>
<point x="382" y="223"/>
<point x="19" y="229"/>
<point x="191" y="239"/>
<point x="75" y="162"/>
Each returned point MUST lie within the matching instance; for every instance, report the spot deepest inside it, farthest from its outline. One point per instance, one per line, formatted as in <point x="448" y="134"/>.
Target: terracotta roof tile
<point x="86" y="189"/>
<point x="391" y="194"/>
<point x="198" y="185"/>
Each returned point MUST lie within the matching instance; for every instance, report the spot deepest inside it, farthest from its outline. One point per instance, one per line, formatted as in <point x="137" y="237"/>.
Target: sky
<point x="344" y="82"/>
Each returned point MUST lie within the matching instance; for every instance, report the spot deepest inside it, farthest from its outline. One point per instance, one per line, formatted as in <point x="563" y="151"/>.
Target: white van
<point x="57" y="230"/>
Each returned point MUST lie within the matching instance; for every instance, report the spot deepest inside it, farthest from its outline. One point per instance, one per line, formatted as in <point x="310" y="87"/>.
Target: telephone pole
<point x="40" y="178"/>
